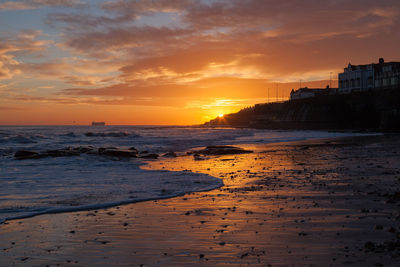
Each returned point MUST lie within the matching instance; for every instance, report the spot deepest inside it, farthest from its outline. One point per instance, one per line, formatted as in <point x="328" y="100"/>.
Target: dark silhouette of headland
<point x="368" y="98"/>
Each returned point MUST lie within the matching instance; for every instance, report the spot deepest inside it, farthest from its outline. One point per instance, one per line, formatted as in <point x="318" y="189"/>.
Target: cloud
<point x="11" y="108"/>
<point x="24" y="43"/>
<point x="289" y="38"/>
<point x="117" y="12"/>
<point x="34" y="4"/>
<point x="144" y="7"/>
<point x="188" y="52"/>
<point x="219" y="87"/>
<point x="83" y="80"/>
<point x="124" y="38"/>
<point x="27" y="98"/>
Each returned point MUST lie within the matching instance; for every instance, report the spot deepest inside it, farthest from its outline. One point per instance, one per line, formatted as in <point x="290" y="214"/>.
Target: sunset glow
<point x="177" y="62"/>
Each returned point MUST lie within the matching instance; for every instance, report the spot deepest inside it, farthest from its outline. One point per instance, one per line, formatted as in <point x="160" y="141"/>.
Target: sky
<point x="177" y="62"/>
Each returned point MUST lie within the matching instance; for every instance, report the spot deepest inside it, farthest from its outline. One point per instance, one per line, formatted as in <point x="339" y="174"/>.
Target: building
<point x="306" y="92"/>
<point x="359" y="78"/>
<point x="98" y="123"/>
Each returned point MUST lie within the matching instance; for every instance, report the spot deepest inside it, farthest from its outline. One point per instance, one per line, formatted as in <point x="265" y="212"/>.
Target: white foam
<point x="35" y="187"/>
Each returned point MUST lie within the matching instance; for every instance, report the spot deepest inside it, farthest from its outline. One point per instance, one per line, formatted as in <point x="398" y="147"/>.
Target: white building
<point x="306" y="92"/>
<point x="359" y="78"/>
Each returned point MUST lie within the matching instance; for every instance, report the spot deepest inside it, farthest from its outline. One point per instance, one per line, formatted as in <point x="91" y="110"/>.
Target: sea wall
<point x="374" y="110"/>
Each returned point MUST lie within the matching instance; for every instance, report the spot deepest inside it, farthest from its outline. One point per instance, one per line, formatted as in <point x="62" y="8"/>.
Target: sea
<point x="33" y="187"/>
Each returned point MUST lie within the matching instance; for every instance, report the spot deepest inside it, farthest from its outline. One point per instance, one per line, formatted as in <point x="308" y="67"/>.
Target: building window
<point x="370" y="81"/>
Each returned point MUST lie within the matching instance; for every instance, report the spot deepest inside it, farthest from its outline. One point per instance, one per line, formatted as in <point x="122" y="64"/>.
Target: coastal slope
<point x="373" y="110"/>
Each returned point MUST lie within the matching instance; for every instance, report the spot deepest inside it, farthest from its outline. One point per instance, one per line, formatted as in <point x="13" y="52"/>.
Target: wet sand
<point x="313" y="203"/>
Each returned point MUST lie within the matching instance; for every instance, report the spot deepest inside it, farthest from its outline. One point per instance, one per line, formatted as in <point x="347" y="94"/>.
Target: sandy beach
<point x="312" y="203"/>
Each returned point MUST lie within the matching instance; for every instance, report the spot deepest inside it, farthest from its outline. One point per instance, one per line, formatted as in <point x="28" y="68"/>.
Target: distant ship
<point x="98" y="123"/>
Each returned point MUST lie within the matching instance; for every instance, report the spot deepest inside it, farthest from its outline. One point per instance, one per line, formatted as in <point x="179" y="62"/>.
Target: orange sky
<point x="177" y="61"/>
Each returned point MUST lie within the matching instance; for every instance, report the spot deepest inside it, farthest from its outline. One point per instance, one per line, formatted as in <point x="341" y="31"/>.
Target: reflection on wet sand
<point x="286" y="204"/>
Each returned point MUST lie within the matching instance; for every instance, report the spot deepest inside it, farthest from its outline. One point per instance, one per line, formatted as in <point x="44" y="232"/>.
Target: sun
<point x="221" y="115"/>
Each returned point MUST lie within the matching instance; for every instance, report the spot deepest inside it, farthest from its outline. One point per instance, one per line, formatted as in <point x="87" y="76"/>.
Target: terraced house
<point x="358" y="78"/>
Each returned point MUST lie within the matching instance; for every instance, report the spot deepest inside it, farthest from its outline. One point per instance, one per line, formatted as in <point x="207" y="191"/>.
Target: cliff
<point x="374" y="110"/>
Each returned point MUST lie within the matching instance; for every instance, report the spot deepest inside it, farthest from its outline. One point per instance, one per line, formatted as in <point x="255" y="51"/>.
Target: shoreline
<point x="286" y="204"/>
<point x="101" y="206"/>
<point x="89" y="207"/>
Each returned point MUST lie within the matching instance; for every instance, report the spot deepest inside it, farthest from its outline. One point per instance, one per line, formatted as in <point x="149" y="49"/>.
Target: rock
<point x="119" y="153"/>
<point x="198" y="157"/>
<point x="170" y="155"/>
<point x="222" y="150"/>
<point x="82" y="149"/>
<point x="369" y="246"/>
<point x="303" y="234"/>
<point x="149" y="156"/>
<point x="24" y="154"/>
<point x="102" y="149"/>
<point x="134" y="149"/>
<point x="61" y="153"/>
<point x="394" y="197"/>
<point x="69" y="151"/>
<point x="244" y="255"/>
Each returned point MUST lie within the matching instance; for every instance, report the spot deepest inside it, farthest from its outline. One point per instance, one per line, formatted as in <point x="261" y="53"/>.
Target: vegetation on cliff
<point x="373" y="110"/>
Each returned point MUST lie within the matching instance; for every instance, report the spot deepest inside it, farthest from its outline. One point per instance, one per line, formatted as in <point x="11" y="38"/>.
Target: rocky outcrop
<point x="118" y="153"/>
<point x="170" y="155"/>
<point x="24" y="154"/>
<point x="148" y="156"/>
<point x="222" y="150"/>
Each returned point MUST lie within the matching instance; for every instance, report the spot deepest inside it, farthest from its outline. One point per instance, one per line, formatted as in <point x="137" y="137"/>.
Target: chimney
<point x="381" y="61"/>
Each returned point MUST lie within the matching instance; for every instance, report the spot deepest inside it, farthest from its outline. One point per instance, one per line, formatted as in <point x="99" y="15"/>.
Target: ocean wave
<point x="110" y="134"/>
<point x="6" y="151"/>
<point x="4" y="134"/>
<point x="155" y="185"/>
<point x="70" y="134"/>
<point x="20" y="139"/>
